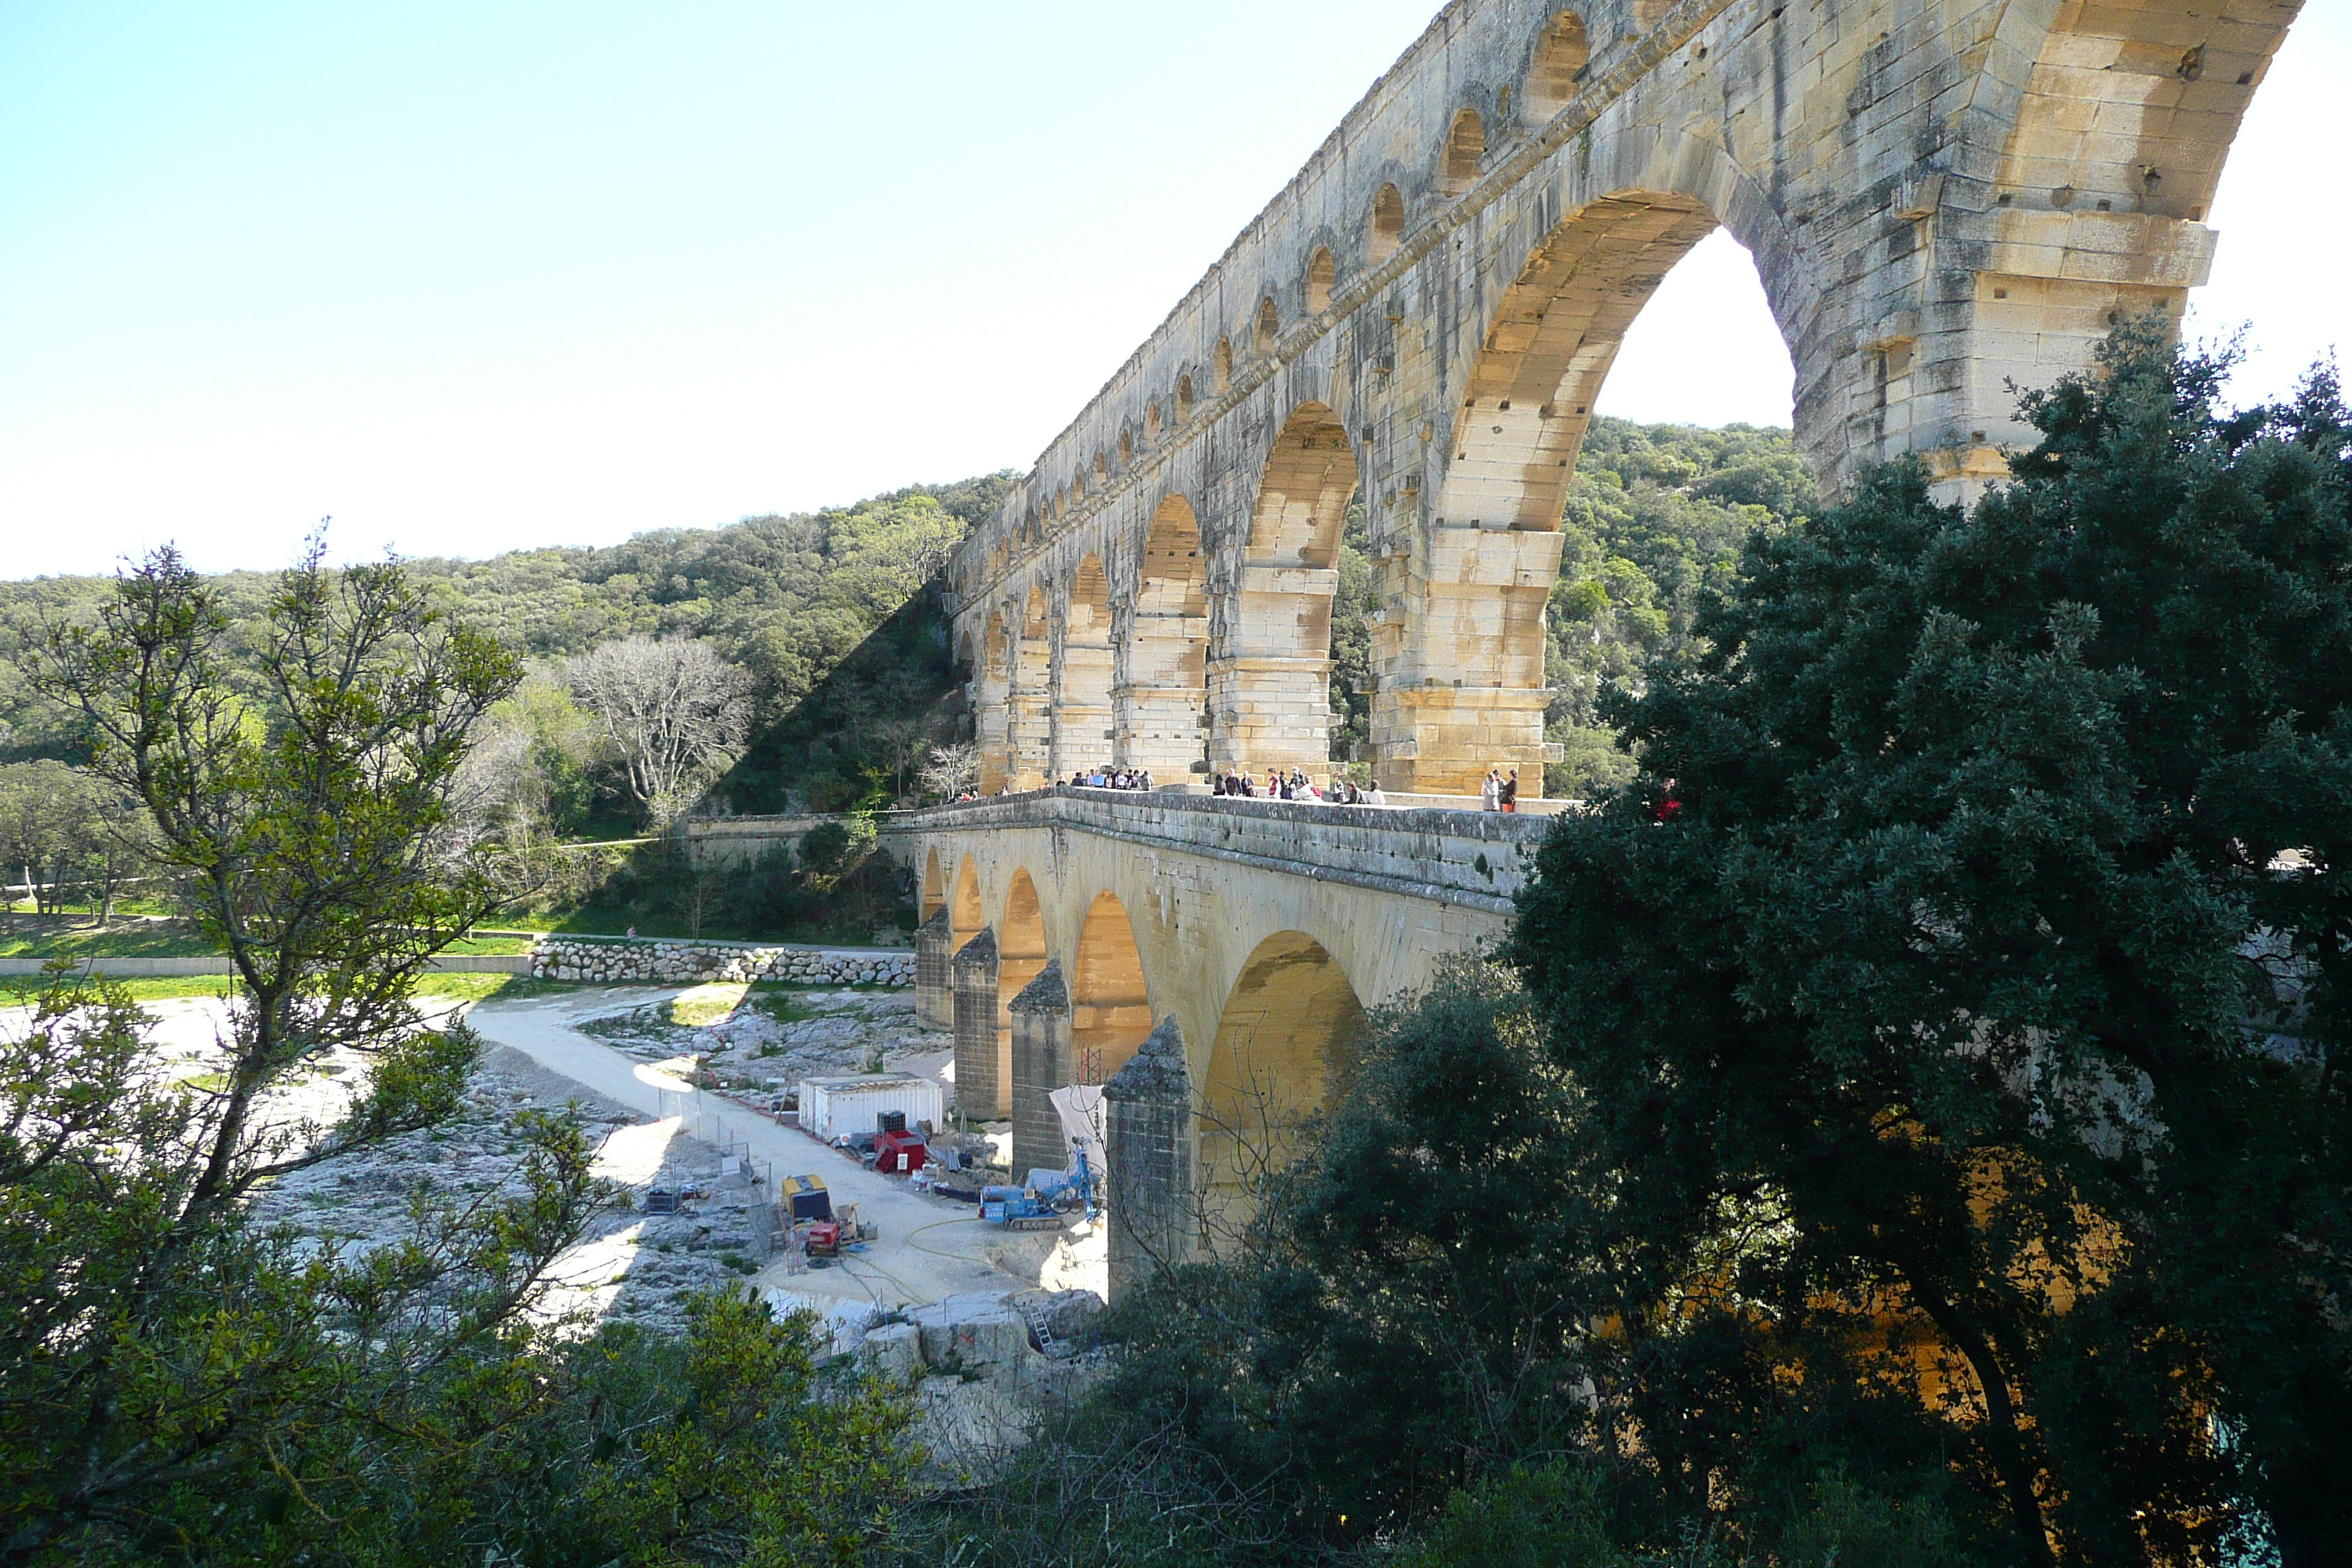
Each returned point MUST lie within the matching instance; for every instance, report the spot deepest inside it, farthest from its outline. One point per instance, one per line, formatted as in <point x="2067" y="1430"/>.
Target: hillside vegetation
<point x="845" y="666"/>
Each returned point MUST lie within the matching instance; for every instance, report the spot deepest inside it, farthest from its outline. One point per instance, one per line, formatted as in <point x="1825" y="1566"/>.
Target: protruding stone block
<point x="1042" y="1063"/>
<point x="935" y="972"/>
<point x="982" y="1077"/>
<point x="1152" y="1220"/>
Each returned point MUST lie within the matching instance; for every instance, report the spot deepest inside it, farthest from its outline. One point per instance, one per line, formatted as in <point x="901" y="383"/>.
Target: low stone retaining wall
<point x="642" y="959"/>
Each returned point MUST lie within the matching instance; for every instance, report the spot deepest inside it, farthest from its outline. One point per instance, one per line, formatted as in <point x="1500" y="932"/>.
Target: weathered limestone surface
<point x="1258" y="932"/>
<point x="1150" y="1149"/>
<point x="1042" y="1063"/>
<point x="1941" y="196"/>
<point x="983" y="1079"/>
<point x="935" y="971"/>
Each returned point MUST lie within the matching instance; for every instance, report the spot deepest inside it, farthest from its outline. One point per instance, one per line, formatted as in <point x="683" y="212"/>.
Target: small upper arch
<point x="1386" y="229"/>
<point x="1222" y="376"/>
<point x="1322" y="273"/>
<point x="1466" y="149"/>
<point x="1557" y="71"/>
<point x="1183" y="398"/>
<point x="1269" y="325"/>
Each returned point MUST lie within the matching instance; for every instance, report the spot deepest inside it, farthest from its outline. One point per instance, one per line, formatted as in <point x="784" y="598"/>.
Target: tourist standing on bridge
<point x="1490" y="793"/>
<point x="1508" y="795"/>
<point x="1377" y="797"/>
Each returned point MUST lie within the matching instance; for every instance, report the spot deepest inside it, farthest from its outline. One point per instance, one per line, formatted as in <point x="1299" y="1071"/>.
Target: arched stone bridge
<point x="1060" y="925"/>
<point x="1942" y="197"/>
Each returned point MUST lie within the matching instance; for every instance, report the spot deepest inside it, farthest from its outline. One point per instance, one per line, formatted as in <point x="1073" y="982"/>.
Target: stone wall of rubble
<point x="685" y="963"/>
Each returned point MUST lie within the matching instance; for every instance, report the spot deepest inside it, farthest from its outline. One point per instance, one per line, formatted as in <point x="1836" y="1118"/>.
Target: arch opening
<point x="1555" y="75"/>
<point x="1184" y="399"/>
<point x="1020" y="954"/>
<point x="1082" y="713"/>
<point x="1222" y="378"/>
<point x="1466" y="149"/>
<point x="1322" y="273"/>
<point x="1289" y="1026"/>
<point x="966" y="914"/>
<point x="935" y="893"/>
<point x="1159" y="699"/>
<point x="1270" y="685"/>
<point x="1111" y="1012"/>
<point x="1030" y="703"/>
<point x="1471" y="647"/>
<point x="1269" y="325"/>
<point x="991" y="693"/>
<point x="1387" y="228"/>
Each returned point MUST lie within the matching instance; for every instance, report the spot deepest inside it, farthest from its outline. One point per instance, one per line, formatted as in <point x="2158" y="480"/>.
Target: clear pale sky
<point x="477" y="276"/>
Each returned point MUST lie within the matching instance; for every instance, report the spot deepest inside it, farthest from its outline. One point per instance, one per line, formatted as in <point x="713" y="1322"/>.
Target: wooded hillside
<point x="844" y="666"/>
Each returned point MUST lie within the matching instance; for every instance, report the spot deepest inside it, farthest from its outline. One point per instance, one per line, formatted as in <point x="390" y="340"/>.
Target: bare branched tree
<point x="950" y="771"/>
<point x="675" y="710"/>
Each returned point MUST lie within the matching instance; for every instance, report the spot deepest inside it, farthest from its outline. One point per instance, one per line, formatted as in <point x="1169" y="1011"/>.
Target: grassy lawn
<point x="18" y="989"/>
<point x="143" y="940"/>
<point x="147" y="941"/>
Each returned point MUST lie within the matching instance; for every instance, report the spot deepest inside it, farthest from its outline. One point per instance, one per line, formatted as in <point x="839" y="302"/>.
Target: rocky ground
<point x="763" y="1043"/>
<point x="630" y="1264"/>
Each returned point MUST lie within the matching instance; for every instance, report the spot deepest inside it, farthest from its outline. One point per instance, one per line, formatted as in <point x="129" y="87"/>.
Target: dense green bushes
<point x="1911" y="1126"/>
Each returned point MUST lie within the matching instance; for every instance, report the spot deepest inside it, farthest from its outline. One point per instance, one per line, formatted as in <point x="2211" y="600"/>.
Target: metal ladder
<point x="1041" y="1327"/>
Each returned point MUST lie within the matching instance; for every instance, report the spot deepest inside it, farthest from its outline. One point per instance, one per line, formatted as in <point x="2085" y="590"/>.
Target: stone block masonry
<point x="1941" y="197"/>
<point x="659" y="962"/>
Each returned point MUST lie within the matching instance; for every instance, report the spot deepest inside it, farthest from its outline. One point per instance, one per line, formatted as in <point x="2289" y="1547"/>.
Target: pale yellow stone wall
<point x="1943" y="198"/>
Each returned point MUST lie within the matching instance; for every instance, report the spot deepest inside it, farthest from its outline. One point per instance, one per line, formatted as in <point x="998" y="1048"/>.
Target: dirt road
<point x="928" y="1248"/>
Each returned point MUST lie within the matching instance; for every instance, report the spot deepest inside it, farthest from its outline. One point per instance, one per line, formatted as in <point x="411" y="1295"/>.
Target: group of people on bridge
<point x="1295" y="785"/>
<point x="1111" y="778"/>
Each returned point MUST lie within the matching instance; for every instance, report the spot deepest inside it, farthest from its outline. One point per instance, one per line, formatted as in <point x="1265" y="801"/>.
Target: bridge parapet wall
<point x="1470" y="857"/>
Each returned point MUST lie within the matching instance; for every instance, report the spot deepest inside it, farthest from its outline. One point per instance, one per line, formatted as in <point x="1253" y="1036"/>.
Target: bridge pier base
<point x="980" y="1073"/>
<point x="935" y="972"/>
<point x="1042" y="1062"/>
<point x="1149" y="1104"/>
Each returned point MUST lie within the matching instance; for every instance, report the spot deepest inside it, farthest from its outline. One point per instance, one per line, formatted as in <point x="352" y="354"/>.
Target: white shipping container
<point x="837" y="1107"/>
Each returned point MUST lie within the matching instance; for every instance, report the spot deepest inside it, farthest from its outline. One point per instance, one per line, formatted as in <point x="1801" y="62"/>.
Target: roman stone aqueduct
<point x="1942" y="198"/>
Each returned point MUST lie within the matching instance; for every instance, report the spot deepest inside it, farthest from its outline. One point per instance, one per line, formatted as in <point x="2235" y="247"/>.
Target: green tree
<point x="1959" y="991"/>
<point x="156" y="1345"/>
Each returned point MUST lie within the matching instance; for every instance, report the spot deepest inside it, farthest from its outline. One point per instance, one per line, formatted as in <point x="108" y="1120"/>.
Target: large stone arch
<point x="1021" y="950"/>
<point x="1166" y="685"/>
<point x="935" y="893"/>
<point x="991" y="713"/>
<point x="1286" y="1027"/>
<point x="1269" y="688"/>
<point x="1937" y="208"/>
<point x="1111" y="1007"/>
<point x="1082" y="707"/>
<point x="1030" y="723"/>
<point x="967" y="914"/>
<point x="1461" y="673"/>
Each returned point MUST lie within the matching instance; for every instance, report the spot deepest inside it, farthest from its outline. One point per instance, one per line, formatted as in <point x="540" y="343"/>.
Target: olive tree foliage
<point x="676" y="712"/>
<point x="531" y="775"/>
<point x="68" y="837"/>
<point x="155" y="1345"/>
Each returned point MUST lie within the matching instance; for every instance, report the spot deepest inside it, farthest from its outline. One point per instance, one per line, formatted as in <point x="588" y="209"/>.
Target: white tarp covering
<point x="1083" y="1121"/>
